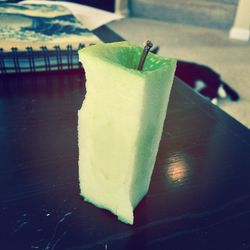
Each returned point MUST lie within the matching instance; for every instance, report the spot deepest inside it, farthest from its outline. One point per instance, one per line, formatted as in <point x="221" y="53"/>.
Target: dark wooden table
<point x="199" y="197"/>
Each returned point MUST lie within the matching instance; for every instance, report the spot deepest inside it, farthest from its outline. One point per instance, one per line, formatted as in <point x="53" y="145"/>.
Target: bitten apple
<point x="120" y="124"/>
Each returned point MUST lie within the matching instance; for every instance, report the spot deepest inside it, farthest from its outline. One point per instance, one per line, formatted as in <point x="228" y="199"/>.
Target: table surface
<point x="199" y="196"/>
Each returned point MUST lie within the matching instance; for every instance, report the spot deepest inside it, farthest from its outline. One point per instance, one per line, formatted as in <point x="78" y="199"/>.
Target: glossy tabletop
<point x="199" y="197"/>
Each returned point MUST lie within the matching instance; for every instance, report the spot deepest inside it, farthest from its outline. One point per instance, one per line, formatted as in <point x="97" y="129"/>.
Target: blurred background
<point x="210" y="38"/>
<point x="214" y="33"/>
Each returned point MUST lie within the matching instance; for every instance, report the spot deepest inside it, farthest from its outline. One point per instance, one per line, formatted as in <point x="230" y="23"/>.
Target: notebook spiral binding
<point x="15" y="61"/>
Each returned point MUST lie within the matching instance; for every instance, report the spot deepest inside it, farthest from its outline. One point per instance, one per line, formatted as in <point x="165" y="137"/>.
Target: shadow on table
<point x="40" y="83"/>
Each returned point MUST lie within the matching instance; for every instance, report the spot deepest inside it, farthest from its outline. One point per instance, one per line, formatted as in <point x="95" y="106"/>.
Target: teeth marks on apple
<point x="120" y="124"/>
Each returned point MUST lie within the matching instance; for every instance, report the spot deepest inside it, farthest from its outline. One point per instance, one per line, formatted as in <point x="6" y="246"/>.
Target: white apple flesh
<point x="120" y="124"/>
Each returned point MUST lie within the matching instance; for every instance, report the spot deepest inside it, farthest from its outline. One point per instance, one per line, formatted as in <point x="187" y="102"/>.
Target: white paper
<point x="90" y="17"/>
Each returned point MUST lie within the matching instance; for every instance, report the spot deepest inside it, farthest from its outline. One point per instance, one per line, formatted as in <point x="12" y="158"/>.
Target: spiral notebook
<point x="40" y="38"/>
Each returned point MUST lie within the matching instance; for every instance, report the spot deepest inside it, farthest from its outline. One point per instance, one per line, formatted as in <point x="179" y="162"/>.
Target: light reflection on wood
<point x="178" y="171"/>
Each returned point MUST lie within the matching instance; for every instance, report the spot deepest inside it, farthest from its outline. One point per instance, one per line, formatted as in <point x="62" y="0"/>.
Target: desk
<point x="199" y="197"/>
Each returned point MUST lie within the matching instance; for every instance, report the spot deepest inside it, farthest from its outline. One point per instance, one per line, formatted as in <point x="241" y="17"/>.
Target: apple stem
<point x="148" y="45"/>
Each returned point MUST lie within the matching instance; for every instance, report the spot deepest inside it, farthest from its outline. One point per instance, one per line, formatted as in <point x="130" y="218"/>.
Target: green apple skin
<point x="120" y="124"/>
